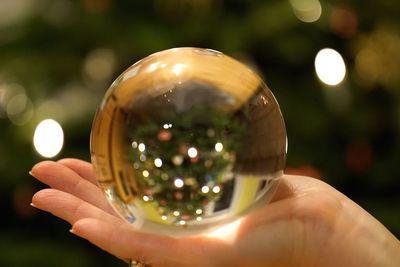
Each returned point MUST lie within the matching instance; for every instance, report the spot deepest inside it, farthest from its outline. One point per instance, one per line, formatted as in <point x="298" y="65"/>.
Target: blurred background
<point x="334" y="67"/>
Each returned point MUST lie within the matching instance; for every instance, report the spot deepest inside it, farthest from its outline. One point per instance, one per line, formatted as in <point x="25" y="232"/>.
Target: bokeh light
<point x="306" y="10"/>
<point x="17" y="104"/>
<point x="99" y="65"/>
<point x="12" y="12"/>
<point x="344" y="22"/>
<point x="330" y="66"/>
<point x="377" y="60"/>
<point x="19" y="109"/>
<point x="48" y="138"/>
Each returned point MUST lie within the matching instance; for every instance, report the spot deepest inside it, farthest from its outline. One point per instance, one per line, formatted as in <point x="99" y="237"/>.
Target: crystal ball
<point x="186" y="140"/>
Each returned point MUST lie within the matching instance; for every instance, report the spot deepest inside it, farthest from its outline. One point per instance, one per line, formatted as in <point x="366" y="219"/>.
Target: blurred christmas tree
<point x="185" y="158"/>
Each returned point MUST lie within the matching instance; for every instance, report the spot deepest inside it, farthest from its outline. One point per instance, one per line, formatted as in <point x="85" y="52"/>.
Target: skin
<point x="308" y="223"/>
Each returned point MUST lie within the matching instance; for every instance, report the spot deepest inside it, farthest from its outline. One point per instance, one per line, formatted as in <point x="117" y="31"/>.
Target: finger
<point x="69" y="207"/>
<point x="125" y="242"/>
<point x="82" y="168"/>
<point x="60" y="177"/>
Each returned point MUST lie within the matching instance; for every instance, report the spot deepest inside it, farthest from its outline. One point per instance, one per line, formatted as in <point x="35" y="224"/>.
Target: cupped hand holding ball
<point x="307" y="223"/>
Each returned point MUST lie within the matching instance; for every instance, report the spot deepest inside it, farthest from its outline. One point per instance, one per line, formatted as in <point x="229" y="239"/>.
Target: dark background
<point x="63" y="54"/>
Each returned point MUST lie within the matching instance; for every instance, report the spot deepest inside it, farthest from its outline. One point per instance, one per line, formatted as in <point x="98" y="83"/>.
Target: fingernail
<point x="30" y="173"/>
<point x="33" y="205"/>
<point x="71" y="231"/>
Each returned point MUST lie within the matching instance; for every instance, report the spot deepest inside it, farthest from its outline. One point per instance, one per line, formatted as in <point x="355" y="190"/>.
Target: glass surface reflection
<point x="186" y="140"/>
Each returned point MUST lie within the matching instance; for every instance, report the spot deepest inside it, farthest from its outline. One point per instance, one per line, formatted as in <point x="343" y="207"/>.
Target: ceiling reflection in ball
<point x="187" y="139"/>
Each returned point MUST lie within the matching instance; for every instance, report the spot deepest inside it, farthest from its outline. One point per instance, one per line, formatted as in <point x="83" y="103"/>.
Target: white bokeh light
<point x="219" y="146"/>
<point x="216" y="189"/>
<point x="205" y="189"/>
<point x="48" y="138"/>
<point x="192" y="152"/>
<point x="142" y="147"/>
<point x="158" y="162"/>
<point x="178" y="183"/>
<point x="330" y="67"/>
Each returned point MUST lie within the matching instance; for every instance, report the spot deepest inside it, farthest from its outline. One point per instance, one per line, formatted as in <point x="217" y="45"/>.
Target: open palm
<point x="308" y="223"/>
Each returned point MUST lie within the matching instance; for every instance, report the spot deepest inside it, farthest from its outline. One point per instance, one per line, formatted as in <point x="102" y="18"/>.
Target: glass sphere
<point x="187" y="139"/>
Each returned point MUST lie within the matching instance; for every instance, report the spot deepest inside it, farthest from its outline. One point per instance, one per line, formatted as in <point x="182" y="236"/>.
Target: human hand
<point x="307" y="223"/>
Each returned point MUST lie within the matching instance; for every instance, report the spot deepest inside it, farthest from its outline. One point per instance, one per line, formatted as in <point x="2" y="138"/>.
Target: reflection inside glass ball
<point x="186" y="140"/>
